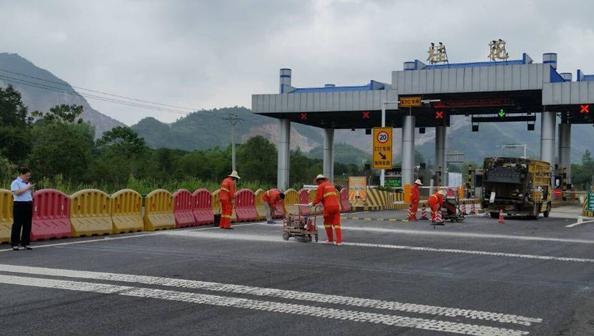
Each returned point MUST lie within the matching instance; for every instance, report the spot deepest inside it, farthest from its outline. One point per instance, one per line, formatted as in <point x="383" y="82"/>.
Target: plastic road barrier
<point x="344" y="200"/>
<point x="245" y="206"/>
<point x="5" y="215"/>
<point x="291" y="198"/>
<point x="202" y="207"/>
<point x="158" y="210"/>
<point x="260" y="208"/>
<point x="51" y="215"/>
<point x="90" y="213"/>
<point x="182" y="208"/>
<point x="126" y="211"/>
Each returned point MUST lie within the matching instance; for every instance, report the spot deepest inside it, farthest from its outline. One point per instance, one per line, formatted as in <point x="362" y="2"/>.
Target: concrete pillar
<point x="284" y="80"/>
<point x="440" y="153"/>
<point x="408" y="150"/>
<point x="283" y="148"/>
<point x="547" y="137"/>
<point x="329" y="153"/>
<point x="565" y="150"/>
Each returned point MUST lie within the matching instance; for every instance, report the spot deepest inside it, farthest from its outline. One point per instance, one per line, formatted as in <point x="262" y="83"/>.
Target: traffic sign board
<point x="590" y="204"/>
<point x="382" y="148"/>
<point x="410" y="101"/>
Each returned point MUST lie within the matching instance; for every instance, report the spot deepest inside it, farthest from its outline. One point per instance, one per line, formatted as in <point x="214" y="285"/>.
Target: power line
<point x="66" y="90"/>
<point x="119" y="99"/>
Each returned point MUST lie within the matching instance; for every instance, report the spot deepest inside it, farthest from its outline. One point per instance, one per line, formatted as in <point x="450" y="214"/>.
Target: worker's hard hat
<point x="418" y="182"/>
<point x="442" y="192"/>
<point x="320" y="177"/>
<point x="234" y="175"/>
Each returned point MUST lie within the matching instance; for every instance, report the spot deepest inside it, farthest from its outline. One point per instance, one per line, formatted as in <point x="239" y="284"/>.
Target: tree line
<point x="61" y="150"/>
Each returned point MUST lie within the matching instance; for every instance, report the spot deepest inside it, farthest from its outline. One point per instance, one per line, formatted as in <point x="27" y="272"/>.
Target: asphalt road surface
<point x="389" y="278"/>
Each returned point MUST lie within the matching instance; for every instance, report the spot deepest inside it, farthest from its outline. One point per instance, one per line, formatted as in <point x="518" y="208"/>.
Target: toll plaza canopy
<point x="494" y="91"/>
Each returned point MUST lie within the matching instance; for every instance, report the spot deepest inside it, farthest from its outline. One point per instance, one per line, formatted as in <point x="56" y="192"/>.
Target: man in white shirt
<point x="22" y="191"/>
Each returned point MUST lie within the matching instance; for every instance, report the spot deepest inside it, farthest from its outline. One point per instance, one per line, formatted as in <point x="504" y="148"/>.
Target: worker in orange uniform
<point x="227" y="198"/>
<point x="435" y="203"/>
<point x="271" y="199"/>
<point x="414" y="201"/>
<point x="328" y="196"/>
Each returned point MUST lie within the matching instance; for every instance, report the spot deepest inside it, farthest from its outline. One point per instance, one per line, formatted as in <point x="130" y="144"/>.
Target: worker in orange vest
<point x="414" y="201"/>
<point x="227" y="198"/>
<point x="328" y="196"/>
<point x="271" y="199"/>
<point x="435" y="203"/>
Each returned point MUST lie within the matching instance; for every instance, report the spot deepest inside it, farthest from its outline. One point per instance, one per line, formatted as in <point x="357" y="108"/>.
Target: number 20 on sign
<point x="382" y="148"/>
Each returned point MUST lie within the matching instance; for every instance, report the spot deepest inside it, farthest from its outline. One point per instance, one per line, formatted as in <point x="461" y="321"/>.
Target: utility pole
<point x="233" y="119"/>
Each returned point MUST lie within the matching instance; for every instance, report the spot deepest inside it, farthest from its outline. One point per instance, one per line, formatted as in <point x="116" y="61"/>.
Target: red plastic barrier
<point x="51" y="215"/>
<point x="344" y="200"/>
<point x="182" y="209"/>
<point x="304" y="199"/>
<point x="245" y="206"/>
<point x="202" y="207"/>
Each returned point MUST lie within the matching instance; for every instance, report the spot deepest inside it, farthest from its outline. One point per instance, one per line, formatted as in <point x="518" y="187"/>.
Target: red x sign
<point x="365" y="115"/>
<point x="303" y="116"/>
<point x="584" y="108"/>
<point x="439" y="115"/>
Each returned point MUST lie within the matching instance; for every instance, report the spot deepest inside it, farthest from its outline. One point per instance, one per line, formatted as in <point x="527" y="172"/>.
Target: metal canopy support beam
<point x="565" y="150"/>
<point x="329" y="153"/>
<point x="408" y="150"/>
<point x="440" y="154"/>
<point x="547" y="137"/>
<point x="282" y="178"/>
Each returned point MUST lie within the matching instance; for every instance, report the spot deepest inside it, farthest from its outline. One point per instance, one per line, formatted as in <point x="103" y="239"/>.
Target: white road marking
<point x="278" y="239"/>
<point x="462" y="234"/>
<point x="473" y="252"/>
<point x="579" y="223"/>
<point x="277" y="293"/>
<point x="269" y="306"/>
<point x="131" y="235"/>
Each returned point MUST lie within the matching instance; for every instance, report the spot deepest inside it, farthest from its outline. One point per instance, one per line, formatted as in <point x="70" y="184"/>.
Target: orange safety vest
<point x="227" y="192"/>
<point x="272" y="196"/>
<point x="327" y="195"/>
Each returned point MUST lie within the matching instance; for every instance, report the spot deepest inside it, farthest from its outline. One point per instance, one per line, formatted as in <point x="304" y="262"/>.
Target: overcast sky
<point x="205" y="54"/>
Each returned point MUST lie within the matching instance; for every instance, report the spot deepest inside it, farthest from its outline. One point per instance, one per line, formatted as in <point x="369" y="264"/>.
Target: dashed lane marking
<point x="267" y="306"/>
<point x="277" y="293"/>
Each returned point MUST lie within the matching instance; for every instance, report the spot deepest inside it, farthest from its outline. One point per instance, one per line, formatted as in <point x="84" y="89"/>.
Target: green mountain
<point x="209" y="128"/>
<point x="41" y="90"/>
<point x="343" y="153"/>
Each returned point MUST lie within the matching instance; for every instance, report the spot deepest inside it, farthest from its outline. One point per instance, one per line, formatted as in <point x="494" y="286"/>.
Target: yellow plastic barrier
<point x="407" y="192"/>
<point x="260" y="208"/>
<point x="90" y="213"/>
<point x="126" y="213"/>
<point x="311" y="196"/>
<point x="5" y="215"/>
<point x="216" y="205"/>
<point x="291" y="198"/>
<point x="158" y="210"/>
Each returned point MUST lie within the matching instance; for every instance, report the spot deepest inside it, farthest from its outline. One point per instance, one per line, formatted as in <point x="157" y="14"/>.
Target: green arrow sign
<point x="501" y="113"/>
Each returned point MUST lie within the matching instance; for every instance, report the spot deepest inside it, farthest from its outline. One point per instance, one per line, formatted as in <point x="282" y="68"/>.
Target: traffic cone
<point x="424" y="213"/>
<point x="501" y="218"/>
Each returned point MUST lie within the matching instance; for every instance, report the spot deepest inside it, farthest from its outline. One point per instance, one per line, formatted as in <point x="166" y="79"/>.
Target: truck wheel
<point x="548" y="211"/>
<point x="286" y="235"/>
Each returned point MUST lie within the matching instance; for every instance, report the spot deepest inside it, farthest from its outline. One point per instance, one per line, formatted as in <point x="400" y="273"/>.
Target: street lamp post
<point x="233" y="119"/>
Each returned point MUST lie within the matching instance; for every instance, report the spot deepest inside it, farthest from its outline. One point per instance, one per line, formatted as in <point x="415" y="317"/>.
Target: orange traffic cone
<point x="501" y="219"/>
